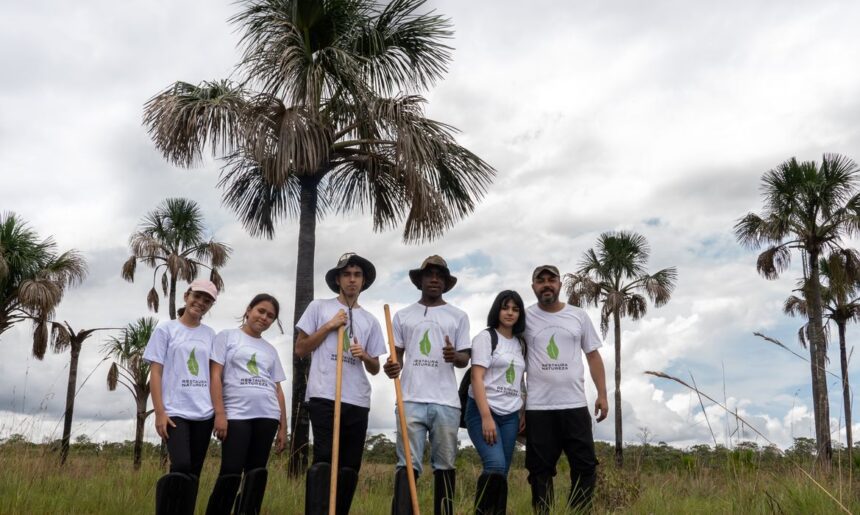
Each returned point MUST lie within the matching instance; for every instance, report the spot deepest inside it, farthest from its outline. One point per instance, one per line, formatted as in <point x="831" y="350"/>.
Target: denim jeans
<point x="497" y="457"/>
<point x="437" y="421"/>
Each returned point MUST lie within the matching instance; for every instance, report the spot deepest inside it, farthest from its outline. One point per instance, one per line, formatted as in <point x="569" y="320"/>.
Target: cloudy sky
<point x="657" y="117"/>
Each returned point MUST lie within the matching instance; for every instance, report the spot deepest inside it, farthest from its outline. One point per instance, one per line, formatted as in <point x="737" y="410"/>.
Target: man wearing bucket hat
<point x="363" y="344"/>
<point x="557" y="414"/>
<point x="431" y="337"/>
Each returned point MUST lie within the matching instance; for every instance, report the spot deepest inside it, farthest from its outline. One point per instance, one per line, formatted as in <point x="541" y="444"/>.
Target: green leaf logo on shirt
<point x="510" y="374"/>
<point x="552" y="348"/>
<point x="346" y="340"/>
<point x="424" y="346"/>
<point x="252" y="365"/>
<point x="193" y="367"/>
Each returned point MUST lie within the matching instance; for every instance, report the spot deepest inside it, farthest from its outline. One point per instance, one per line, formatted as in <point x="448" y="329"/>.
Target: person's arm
<point x="307" y="343"/>
<point x="161" y="418"/>
<point x="216" y="391"/>
<point x="598" y="375"/>
<point x="392" y="368"/>
<point x="370" y="364"/>
<point x="281" y="438"/>
<point x="479" y="391"/>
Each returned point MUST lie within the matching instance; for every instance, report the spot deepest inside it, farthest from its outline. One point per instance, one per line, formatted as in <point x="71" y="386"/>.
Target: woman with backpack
<point x="495" y="399"/>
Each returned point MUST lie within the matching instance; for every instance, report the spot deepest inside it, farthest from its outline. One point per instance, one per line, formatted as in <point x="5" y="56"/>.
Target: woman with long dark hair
<point x="178" y="353"/>
<point x="249" y="408"/>
<point x="494" y="407"/>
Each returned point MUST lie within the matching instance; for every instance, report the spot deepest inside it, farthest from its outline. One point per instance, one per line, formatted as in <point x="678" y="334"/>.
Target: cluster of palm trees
<point x="811" y="209"/>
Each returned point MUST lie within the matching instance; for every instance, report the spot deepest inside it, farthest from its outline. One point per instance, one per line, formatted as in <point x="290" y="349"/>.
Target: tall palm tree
<point x="170" y="239"/>
<point x="614" y="276"/>
<point x="808" y="208"/>
<point x="130" y="370"/>
<point x="33" y="277"/>
<point x="840" y="297"/>
<point x="63" y="337"/>
<point x="327" y="117"/>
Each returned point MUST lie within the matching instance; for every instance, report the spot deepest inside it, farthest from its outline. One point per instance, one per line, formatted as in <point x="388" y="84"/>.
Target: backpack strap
<point x="494" y="339"/>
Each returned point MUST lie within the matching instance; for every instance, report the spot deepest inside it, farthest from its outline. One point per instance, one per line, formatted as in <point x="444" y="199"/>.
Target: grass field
<point x="32" y="482"/>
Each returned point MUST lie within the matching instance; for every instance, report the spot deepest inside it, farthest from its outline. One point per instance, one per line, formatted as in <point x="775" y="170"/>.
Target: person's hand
<point x="391" y="368"/>
<point x="357" y="350"/>
<point x="337" y="320"/>
<point x="220" y="428"/>
<point x="488" y="428"/>
<point x="448" y="351"/>
<point x="601" y="408"/>
<point x="281" y="440"/>
<point x="161" y="423"/>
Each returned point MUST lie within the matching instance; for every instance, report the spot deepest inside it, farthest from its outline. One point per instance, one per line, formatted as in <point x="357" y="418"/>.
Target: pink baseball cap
<point x="206" y="286"/>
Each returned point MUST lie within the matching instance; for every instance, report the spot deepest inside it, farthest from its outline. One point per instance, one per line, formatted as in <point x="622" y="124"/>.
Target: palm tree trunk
<point x="171" y="300"/>
<point x="141" y="401"/>
<point x="70" y="400"/>
<point x="846" y="390"/>
<point x="818" y="357"/>
<point x="300" y="429"/>
<point x="619" y="450"/>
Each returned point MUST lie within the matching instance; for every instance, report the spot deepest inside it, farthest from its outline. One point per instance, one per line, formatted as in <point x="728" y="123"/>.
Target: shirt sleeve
<point x="375" y="345"/>
<point x="277" y="372"/>
<point x="462" y="337"/>
<point x="399" y="339"/>
<point x="482" y="349"/>
<point x="309" y="323"/>
<point x="590" y="340"/>
<point x="219" y="348"/>
<point x="156" y="347"/>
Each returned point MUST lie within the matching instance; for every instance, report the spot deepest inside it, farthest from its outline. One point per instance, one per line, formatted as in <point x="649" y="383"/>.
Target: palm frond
<point x="635" y="306"/>
<point x="152" y="300"/>
<point x="128" y="269"/>
<point x="40" y="338"/>
<point x="216" y="279"/>
<point x="659" y="286"/>
<point x="165" y="283"/>
<point x="794" y="306"/>
<point x="60" y="337"/>
<point x="773" y="261"/>
<point x="112" y="377"/>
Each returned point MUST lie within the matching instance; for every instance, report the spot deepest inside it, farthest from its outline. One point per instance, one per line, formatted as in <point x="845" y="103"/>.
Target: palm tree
<point x="327" y="117"/>
<point x="614" y="275"/>
<point x="808" y="208"/>
<point x="33" y="277"/>
<point x="130" y="370"/>
<point x="840" y="304"/>
<point x="170" y="239"/>
<point x="63" y="337"/>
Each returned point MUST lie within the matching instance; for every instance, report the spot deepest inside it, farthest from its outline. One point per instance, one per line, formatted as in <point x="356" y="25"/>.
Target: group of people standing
<point x="540" y="348"/>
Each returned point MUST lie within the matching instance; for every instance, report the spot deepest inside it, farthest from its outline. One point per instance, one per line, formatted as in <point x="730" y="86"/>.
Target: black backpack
<point x="466" y="382"/>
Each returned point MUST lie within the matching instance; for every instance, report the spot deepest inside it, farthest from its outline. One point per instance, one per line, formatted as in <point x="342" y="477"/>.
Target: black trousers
<point x="187" y="444"/>
<point x="551" y="432"/>
<point x="353" y="431"/>
<point x="247" y="445"/>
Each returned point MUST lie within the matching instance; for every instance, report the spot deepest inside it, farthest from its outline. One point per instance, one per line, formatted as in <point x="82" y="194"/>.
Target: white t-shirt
<point x="184" y="353"/>
<point x="555" y="370"/>
<point x="505" y="367"/>
<point x="421" y="330"/>
<point x="355" y="388"/>
<point x="251" y="369"/>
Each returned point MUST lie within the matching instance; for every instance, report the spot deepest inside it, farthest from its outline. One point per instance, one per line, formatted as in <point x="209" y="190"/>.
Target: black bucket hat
<point x="437" y="261"/>
<point x="351" y="258"/>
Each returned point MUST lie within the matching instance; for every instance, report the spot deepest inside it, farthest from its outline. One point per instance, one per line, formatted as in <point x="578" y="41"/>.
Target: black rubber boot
<point x="250" y="499"/>
<point x="502" y="504"/>
<point x="316" y="489"/>
<point x="223" y="494"/>
<point x="491" y="495"/>
<point x="347" y="480"/>
<point x="444" y="486"/>
<point x="401" y="503"/>
<point x="175" y="494"/>
<point x="542" y="494"/>
<point x="581" y="491"/>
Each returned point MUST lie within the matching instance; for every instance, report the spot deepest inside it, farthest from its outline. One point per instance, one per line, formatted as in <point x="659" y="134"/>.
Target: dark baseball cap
<point x="545" y="268"/>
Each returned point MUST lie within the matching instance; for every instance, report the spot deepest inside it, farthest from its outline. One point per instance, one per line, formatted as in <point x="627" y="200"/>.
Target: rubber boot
<point x="581" y="490"/>
<point x="542" y="494"/>
<point x="401" y="503"/>
<point x="250" y="500"/>
<point x="502" y="503"/>
<point x="482" y="495"/>
<point x="444" y="485"/>
<point x="317" y="480"/>
<point x="223" y="494"/>
<point x="347" y="480"/>
<point x="191" y="494"/>
<point x="491" y="495"/>
<point x="173" y="494"/>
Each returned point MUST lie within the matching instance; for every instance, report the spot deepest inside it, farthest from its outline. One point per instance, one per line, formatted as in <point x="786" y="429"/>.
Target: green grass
<point x="32" y="482"/>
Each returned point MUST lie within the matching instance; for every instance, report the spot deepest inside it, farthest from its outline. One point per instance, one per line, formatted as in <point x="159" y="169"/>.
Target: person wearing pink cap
<point x="178" y="353"/>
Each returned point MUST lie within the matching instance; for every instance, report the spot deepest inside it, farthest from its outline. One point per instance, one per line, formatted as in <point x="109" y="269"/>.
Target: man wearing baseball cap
<point x="363" y="344"/>
<point x="431" y="337"/>
<point x="557" y="415"/>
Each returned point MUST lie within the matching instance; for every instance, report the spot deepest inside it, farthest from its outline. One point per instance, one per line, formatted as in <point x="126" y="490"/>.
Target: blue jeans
<point x="441" y="423"/>
<point x="496" y="458"/>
